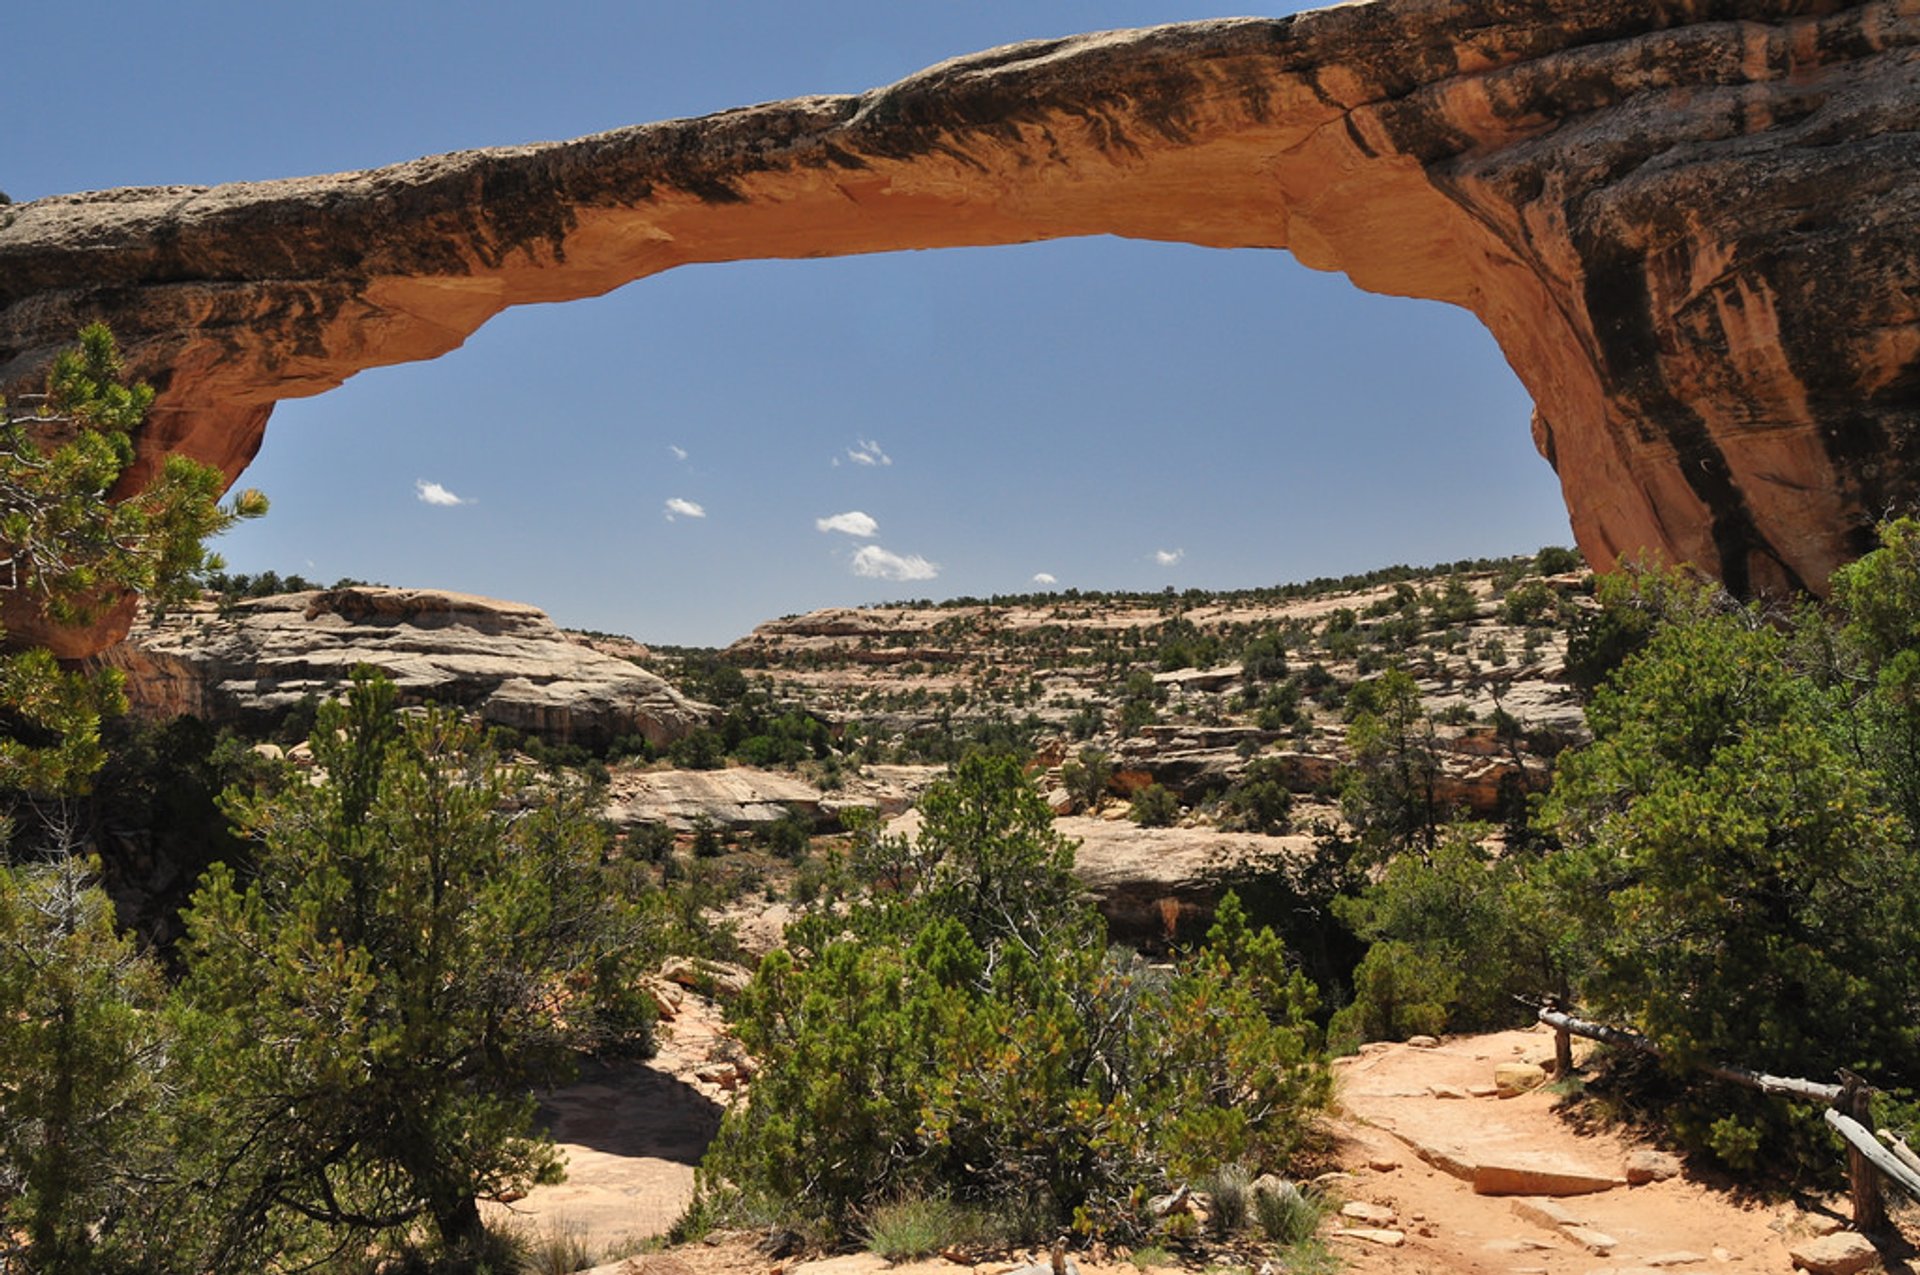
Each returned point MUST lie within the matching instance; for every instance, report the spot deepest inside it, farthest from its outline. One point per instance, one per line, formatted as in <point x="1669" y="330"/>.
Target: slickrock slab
<point x="1539" y="1175"/>
<point x="1371" y="1214"/>
<point x="1598" y="1243"/>
<point x="1548" y="1213"/>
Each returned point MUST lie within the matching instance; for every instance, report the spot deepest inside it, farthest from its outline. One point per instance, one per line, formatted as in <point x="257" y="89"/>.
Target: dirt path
<point x="1418" y="1126"/>
<point x="632" y="1136"/>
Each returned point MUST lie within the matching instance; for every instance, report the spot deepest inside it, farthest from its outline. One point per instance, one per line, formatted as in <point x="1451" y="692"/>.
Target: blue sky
<point x="661" y="461"/>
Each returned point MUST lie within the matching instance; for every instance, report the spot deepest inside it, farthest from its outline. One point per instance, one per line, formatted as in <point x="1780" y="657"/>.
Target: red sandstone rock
<point x="1691" y="227"/>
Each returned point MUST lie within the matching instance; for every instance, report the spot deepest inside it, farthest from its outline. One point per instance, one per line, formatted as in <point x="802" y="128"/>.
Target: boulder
<point x="1511" y="1079"/>
<point x="1651" y="1166"/>
<point x="1158" y="884"/>
<point x="1842" y="1253"/>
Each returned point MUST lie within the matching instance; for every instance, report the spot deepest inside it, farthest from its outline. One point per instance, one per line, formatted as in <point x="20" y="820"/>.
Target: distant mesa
<point x="250" y="663"/>
<point x="1693" y="229"/>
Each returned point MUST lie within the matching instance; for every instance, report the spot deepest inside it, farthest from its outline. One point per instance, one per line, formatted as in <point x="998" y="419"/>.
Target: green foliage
<point x="1264" y="659"/>
<point x="427" y="935"/>
<point x="1633" y="604"/>
<point x="1260" y="801"/>
<point x="83" y="1069"/>
<point x="963" y="1034"/>
<point x="1139" y="702"/>
<point x="1473" y="918"/>
<point x="239" y="586"/>
<point x="920" y="1226"/>
<point x="1528" y="603"/>
<point x="698" y="749"/>
<point x="1398" y="991"/>
<point x="1738" y="880"/>
<point x="1229" y="1191"/>
<point x="1556" y="560"/>
<point x="1086" y="777"/>
<point x="1154" y="806"/>
<point x="1389" y="792"/>
<point x="1289" y="1215"/>
<point x="73" y="547"/>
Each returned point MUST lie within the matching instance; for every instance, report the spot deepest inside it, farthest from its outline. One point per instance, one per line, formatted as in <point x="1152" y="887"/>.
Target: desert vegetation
<point x="304" y="1026"/>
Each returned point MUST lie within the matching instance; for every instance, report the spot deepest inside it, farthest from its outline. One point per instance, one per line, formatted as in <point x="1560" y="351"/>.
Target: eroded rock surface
<point x="1690" y="224"/>
<point x="741" y="798"/>
<point x="253" y="662"/>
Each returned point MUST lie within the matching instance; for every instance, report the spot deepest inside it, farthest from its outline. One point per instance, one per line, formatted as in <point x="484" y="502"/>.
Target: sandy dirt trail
<point x="1418" y="1126"/>
<point x="1414" y="1128"/>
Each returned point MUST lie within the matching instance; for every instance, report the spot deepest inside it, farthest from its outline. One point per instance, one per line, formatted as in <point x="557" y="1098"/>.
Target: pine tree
<point x="428" y="935"/>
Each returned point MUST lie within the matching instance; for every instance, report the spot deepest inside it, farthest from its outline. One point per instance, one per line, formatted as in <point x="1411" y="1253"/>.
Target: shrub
<point x="1155" y="806"/>
<point x="965" y="1034"/>
<point x="427" y="937"/>
<point x="1557" y="560"/>
<point x="1286" y="1214"/>
<point x="1229" y="1191"/>
<point x="1398" y="991"/>
<point x="1086" y="777"/>
<point x="1529" y="603"/>
<point x="1739" y="872"/>
<point x="1465" y="912"/>
<point x="921" y="1226"/>
<point x="1261" y="800"/>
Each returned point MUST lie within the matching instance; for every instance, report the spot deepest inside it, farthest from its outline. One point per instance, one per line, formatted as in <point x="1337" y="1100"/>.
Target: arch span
<point x="1690" y="224"/>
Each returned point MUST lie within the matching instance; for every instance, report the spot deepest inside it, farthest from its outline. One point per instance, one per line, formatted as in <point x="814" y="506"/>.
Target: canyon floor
<point x="1411" y="1127"/>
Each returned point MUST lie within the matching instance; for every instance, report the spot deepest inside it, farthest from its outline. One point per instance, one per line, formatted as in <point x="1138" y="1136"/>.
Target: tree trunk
<point x="457" y="1217"/>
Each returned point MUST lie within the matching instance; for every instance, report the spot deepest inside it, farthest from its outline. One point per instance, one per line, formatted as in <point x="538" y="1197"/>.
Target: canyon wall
<point x="1692" y="225"/>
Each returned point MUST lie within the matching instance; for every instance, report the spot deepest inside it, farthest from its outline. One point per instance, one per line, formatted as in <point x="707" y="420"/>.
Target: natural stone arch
<point x="1690" y="227"/>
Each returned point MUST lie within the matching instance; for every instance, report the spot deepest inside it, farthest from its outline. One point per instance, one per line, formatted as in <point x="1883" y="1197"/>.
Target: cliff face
<point x="505" y="661"/>
<point x="1692" y="225"/>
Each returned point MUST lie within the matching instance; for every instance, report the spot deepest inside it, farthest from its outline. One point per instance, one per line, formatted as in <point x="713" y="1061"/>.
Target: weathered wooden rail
<point x="1847" y="1111"/>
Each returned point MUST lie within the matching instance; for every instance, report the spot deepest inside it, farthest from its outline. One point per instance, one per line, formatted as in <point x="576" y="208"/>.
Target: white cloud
<point x="679" y="452"/>
<point x="435" y="494"/>
<point x="880" y="564"/>
<point x="1167" y="557"/>
<point x="868" y="453"/>
<point x="679" y="507"/>
<point x="852" y="523"/>
<point x="1045" y="578"/>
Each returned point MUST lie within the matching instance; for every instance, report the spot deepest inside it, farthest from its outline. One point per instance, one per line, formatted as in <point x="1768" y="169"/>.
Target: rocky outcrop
<point x="1691" y="225"/>
<point x="740" y="798"/>
<point x="251" y="663"/>
<point x="1157" y="885"/>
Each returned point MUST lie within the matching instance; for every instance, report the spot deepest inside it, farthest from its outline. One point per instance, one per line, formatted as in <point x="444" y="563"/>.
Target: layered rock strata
<point x="1692" y="225"/>
<point x="252" y="663"/>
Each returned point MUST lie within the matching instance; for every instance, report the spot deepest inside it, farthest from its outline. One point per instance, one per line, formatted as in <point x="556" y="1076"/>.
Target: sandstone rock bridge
<point x="1692" y="225"/>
